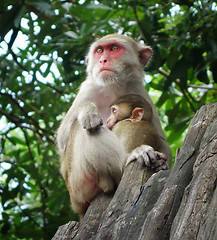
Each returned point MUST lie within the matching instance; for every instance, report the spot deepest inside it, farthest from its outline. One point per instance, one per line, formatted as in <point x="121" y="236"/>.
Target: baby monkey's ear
<point x="137" y="114"/>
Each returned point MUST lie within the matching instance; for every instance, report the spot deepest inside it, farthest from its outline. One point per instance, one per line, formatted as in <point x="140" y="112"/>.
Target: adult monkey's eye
<point x="99" y="50"/>
<point x="115" y="47"/>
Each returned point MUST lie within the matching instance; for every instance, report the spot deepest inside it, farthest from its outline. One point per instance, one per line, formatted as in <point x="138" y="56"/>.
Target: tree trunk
<point x="177" y="204"/>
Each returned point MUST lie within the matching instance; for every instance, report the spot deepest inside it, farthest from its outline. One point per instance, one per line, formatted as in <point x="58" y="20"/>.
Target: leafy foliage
<point x="42" y="56"/>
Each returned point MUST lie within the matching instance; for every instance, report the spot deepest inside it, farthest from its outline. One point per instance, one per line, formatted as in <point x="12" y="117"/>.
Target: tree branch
<point x="161" y="71"/>
<point x="16" y="120"/>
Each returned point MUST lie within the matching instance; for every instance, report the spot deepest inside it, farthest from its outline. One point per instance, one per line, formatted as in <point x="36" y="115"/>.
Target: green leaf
<point x="19" y="16"/>
<point x="42" y="6"/>
<point x="16" y="140"/>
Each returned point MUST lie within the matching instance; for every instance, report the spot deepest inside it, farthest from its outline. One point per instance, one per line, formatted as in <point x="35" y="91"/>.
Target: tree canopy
<point x="43" y="44"/>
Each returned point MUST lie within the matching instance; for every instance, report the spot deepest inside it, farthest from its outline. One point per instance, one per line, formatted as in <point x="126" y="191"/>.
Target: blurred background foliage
<point x="42" y="50"/>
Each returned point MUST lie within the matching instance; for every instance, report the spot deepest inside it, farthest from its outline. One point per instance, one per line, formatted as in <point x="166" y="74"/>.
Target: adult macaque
<point x="92" y="157"/>
<point x="131" y="121"/>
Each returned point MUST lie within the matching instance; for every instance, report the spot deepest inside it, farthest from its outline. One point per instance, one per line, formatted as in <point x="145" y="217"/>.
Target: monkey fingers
<point x="159" y="165"/>
<point x="161" y="162"/>
<point x="161" y="155"/>
<point x="89" y="117"/>
<point x="144" y="154"/>
<point x="92" y="123"/>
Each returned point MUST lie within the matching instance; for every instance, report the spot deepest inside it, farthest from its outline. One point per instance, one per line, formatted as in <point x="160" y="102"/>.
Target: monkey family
<point x="92" y="156"/>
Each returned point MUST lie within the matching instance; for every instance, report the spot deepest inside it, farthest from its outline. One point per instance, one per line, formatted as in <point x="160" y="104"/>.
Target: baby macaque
<point x="131" y="121"/>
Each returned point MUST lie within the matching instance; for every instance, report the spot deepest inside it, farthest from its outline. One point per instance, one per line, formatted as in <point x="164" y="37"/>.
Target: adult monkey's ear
<point x="144" y="55"/>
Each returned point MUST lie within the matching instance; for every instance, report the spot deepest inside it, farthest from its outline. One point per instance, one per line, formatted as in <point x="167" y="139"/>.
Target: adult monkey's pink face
<point x="106" y="55"/>
<point x="116" y="59"/>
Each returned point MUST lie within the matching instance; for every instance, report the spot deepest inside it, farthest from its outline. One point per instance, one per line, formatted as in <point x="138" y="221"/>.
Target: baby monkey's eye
<point x="114" y="47"/>
<point x="114" y="111"/>
<point x="99" y="50"/>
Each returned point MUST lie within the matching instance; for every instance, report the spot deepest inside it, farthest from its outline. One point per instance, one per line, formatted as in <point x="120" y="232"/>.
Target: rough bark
<point x="177" y="204"/>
